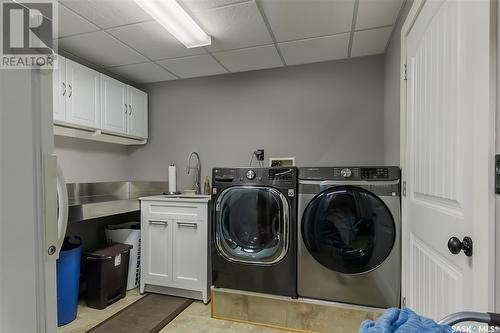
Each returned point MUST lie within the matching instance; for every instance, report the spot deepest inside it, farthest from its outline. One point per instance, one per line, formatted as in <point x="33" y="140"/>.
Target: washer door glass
<point x="348" y="229"/>
<point x="252" y="224"/>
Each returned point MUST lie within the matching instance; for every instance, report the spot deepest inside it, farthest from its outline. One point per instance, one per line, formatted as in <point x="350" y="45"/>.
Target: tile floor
<point x="195" y="319"/>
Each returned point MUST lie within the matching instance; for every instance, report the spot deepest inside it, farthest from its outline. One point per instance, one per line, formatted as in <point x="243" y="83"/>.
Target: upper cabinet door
<point x="59" y="89"/>
<point x="83" y="102"/>
<point x="138" y="112"/>
<point x="114" y="107"/>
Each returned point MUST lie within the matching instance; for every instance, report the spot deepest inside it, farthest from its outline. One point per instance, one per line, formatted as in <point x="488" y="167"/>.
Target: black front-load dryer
<point x="254" y="229"/>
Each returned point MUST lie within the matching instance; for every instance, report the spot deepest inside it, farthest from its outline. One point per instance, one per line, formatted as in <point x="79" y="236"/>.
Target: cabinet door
<point x="157" y="247"/>
<point x="59" y="89"/>
<point x="190" y="254"/>
<point x="113" y="105"/>
<point x="83" y="102"/>
<point x="138" y="112"/>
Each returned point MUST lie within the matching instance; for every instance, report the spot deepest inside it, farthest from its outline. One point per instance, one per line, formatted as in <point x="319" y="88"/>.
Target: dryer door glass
<point x="348" y="229"/>
<point x="252" y="224"/>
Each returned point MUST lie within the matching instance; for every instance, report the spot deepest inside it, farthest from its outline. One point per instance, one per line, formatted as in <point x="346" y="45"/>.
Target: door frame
<point x="481" y="233"/>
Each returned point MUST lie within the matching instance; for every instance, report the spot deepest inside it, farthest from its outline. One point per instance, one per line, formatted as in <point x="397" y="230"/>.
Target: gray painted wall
<point x="392" y="77"/>
<point x="323" y="114"/>
<point x="87" y="161"/>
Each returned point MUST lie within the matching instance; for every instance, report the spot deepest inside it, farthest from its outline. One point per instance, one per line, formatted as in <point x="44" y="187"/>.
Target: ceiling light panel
<point x="175" y="19"/>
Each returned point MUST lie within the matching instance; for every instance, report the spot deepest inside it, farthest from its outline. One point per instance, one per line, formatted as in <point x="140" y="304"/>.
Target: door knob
<point x="455" y="245"/>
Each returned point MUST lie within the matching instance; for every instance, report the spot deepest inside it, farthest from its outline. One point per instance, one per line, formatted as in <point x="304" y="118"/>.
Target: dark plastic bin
<point x="68" y="281"/>
<point x="106" y="274"/>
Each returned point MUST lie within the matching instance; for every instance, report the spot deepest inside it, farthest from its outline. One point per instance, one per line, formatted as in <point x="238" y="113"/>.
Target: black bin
<point x="106" y="274"/>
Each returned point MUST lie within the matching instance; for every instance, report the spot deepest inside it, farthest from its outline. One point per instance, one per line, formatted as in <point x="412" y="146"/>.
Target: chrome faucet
<point x="196" y="185"/>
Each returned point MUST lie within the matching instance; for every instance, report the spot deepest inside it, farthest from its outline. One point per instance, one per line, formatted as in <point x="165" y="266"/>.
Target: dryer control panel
<point x="350" y="173"/>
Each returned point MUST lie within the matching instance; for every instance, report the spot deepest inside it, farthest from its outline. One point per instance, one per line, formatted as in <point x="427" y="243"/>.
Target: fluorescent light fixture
<point x="175" y="19"/>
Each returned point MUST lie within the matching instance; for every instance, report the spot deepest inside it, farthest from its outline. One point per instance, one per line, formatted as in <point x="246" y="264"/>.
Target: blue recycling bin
<point x="68" y="280"/>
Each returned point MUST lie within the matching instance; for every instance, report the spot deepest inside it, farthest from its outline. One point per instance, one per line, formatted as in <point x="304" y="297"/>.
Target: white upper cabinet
<point x="86" y="100"/>
<point x="137" y="112"/>
<point x="83" y="95"/>
<point x="60" y="90"/>
<point x="114" y="107"/>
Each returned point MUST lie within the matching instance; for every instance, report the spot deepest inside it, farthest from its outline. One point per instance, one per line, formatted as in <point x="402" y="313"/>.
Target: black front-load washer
<point x="254" y="229"/>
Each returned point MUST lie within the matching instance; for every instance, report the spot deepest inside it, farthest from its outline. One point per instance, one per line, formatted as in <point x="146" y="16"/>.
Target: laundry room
<point x="251" y="165"/>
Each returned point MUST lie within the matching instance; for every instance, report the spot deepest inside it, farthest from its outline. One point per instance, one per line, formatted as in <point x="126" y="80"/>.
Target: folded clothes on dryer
<point x="396" y="320"/>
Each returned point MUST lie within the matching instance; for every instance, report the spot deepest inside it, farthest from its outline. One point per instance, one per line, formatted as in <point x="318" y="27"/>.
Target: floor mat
<point x="148" y="315"/>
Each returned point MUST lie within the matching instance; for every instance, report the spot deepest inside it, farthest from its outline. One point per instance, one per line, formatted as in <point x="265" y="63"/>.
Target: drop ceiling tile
<point x="377" y="13"/>
<point x="315" y="49"/>
<point x="108" y="13"/>
<point x="72" y="24"/>
<point x="248" y="59"/>
<point x="101" y="49"/>
<point x="153" y="41"/>
<point x="77" y="59"/>
<point x="208" y="4"/>
<point x="193" y="66"/>
<point x="232" y="27"/>
<point x="296" y="19"/>
<point x="369" y="42"/>
<point x="143" y="73"/>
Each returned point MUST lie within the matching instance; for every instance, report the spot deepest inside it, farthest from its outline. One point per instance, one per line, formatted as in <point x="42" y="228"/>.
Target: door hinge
<point x="404" y="188"/>
<point x="405" y="71"/>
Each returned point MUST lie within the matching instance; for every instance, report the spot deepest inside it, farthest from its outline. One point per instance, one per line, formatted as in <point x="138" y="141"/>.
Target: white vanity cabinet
<point x="175" y="246"/>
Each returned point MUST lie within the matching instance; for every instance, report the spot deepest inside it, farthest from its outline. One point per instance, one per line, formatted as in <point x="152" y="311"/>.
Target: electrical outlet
<point x="259" y="153"/>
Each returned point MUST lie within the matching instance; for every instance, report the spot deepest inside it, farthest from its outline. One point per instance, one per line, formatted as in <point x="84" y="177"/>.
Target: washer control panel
<point x="250" y="174"/>
<point x="276" y="176"/>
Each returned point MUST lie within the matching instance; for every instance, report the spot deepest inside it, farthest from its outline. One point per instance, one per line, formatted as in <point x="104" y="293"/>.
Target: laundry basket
<point x="128" y="233"/>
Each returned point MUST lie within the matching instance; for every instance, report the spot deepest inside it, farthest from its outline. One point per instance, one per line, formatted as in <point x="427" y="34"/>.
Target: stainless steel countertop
<point x="93" y="200"/>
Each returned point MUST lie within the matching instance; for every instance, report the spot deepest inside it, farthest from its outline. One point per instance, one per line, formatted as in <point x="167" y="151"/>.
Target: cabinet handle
<point x="70" y="90"/>
<point x="129" y="109"/>
<point x="64" y="91"/>
<point x="125" y="108"/>
<point x="187" y="224"/>
<point x="158" y="222"/>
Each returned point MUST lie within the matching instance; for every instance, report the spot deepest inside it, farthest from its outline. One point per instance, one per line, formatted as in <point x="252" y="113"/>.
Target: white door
<point x="27" y="203"/>
<point x="138" y="112"/>
<point x="82" y="103"/>
<point x="447" y="157"/>
<point x="189" y="253"/>
<point x="113" y="105"/>
<point x="60" y="89"/>
<point x="157" y="247"/>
